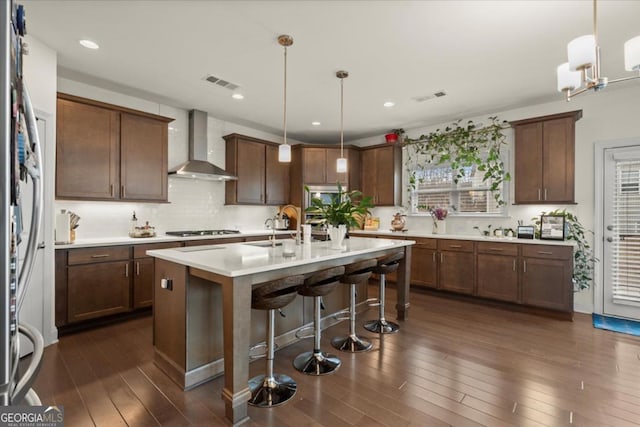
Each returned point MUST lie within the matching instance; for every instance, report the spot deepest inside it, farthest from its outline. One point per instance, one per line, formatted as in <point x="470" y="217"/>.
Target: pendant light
<point x="284" y="151"/>
<point x="341" y="163"/>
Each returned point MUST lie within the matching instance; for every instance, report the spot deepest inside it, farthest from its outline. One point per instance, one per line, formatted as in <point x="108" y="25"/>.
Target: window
<point x="470" y="196"/>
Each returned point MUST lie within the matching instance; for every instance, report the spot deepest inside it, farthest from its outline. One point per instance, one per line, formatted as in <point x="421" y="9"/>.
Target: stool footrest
<point x="372" y="302"/>
<point x="260" y="350"/>
<point x="305" y="332"/>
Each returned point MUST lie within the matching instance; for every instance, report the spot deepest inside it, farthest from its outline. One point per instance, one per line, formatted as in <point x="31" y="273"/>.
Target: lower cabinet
<point x="143" y="266"/>
<point x="546" y="277"/>
<point x="456" y="266"/>
<point x="424" y="266"/>
<point x="497" y="271"/>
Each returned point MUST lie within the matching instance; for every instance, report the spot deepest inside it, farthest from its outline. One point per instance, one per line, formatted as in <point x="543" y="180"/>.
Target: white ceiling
<point x="488" y="56"/>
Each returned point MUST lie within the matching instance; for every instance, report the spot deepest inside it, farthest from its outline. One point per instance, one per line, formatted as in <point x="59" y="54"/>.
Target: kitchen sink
<point x="264" y="244"/>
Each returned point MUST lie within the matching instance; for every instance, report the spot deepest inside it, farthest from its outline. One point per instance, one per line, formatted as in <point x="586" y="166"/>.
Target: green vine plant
<point x="583" y="258"/>
<point x="461" y="146"/>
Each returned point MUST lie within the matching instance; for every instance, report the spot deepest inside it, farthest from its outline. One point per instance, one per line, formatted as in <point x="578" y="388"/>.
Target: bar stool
<point x="355" y="273"/>
<point x="273" y="389"/>
<point x="317" y="285"/>
<point x="387" y="264"/>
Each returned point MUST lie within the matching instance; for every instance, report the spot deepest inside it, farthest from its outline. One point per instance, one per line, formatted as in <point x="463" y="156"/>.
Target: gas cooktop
<point x="188" y="233"/>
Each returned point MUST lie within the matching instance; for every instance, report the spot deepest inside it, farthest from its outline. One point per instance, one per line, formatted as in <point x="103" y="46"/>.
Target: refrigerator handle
<point x="29" y="376"/>
<point x="35" y="172"/>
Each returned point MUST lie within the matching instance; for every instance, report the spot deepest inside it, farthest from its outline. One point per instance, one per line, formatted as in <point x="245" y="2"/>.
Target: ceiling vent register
<point x="220" y="82"/>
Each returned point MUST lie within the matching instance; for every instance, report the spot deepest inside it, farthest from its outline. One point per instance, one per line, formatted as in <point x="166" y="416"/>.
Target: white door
<point x="621" y="217"/>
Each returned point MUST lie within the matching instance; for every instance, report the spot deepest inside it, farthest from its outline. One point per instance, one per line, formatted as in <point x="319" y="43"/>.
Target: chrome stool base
<point x="351" y="344"/>
<point x="316" y="363"/>
<point x="266" y="394"/>
<point x="382" y="327"/>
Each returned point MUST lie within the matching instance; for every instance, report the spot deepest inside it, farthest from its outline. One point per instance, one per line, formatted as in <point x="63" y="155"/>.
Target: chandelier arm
<point x="622" y="79"/>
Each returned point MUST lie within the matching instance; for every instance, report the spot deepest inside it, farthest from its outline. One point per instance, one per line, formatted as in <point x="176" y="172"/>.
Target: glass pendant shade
<point x="341" y="165"/>
<point x="567" y="79"/>
<point x="632" y="54"/>
<point x="582" y="52"/>
<point x="284" y="153"/>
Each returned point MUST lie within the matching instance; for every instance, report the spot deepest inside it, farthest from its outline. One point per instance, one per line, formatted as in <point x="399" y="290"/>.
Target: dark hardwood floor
<point x="452" y="363"/>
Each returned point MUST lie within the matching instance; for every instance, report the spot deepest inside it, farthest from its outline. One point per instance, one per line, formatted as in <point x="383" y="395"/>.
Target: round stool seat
<point x="389" y="263"/>
<point x="321" y="283"/>
<point x="358" y="272"/>
<point x="276" y="293"/>
<point x="273" y="389"/>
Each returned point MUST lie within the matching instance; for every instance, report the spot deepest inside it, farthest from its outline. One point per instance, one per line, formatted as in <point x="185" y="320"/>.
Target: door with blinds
<point x="621" y="255"/>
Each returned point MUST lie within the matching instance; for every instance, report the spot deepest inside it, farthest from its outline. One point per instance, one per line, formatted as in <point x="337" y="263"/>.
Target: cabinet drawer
<point x="140" y="251"/>
<point x="101" y="254"/>
<point x="425" y="243"/>
<point x="547" y="251"/>
<point x="220" y="241"/>
<point x="497" y="248"/>
<point x="455" y="245"/>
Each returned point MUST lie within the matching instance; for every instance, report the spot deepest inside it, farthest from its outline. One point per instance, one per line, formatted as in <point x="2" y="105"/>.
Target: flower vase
<point x="439" y="226"/>
<point x="336" y="234"/>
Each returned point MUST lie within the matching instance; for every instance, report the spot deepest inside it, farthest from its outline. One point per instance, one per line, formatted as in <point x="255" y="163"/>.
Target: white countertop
<point x="160" y="238"/>
<point x="474" y="237"/>
<point x="239" y="259"/>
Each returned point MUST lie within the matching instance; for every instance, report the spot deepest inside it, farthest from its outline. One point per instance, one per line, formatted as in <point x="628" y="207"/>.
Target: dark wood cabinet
<point x="424" y="266"/>
<point x="547" y="277"/>
<point x="497" y="271"/>
<point x="106" y="152"/>
<point x="143" y="267"/>
<point x="545" y="158"/>
<point x="456" y="269"/>
<point x="381" y="174"/>
<point x="262" y="180"/>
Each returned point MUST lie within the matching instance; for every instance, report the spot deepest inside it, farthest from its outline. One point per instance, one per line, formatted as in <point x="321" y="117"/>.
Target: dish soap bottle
<point x="134" y="224"/>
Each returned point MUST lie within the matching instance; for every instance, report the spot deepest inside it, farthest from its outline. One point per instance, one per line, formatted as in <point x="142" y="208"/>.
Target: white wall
<point x="193" y="204"/>
<point x="610" y="114"/>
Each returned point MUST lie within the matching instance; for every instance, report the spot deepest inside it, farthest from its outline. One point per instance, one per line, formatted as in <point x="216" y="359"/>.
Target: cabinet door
<point x="277" y="178"/>
<point x="353" y="170"/>
<point x="331" y="174"/>
<point x="528" y="168"/>
<point x="315" y="165"/>
<point x="546" y="283"/>
<point x="251" y="168"/>
<point x="143" y="158"/>
<point x="96" y="290"/>
<point x="457" y="271"/>
<point x="368" y="173"/>
<point x="424" y="266"/>
<point x="143" y="282"/>
<point x="87" y="151"/>
<point x="385" y="176"/>
<point x="558" y="160"/>
<point x="497" y="277"/>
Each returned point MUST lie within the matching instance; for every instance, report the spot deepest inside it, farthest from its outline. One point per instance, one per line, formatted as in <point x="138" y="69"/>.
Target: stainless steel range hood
<point x="197" y="167"/>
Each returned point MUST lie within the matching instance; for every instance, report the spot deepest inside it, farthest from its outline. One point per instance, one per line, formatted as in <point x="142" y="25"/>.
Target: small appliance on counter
<point x="398" y="222"/>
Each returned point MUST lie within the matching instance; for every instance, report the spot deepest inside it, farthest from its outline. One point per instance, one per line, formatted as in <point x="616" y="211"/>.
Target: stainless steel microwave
<point x="322" y="192"/>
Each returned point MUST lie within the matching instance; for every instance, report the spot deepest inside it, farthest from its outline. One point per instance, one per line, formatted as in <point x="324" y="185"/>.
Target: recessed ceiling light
<point x="237" y="96"/>
<point x="389" y="104"/>
<point x="316" y="123"/>
<point x="89" y="44"/>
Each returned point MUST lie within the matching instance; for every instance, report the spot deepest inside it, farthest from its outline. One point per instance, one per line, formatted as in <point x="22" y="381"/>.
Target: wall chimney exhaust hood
<point x="197" y="167"/>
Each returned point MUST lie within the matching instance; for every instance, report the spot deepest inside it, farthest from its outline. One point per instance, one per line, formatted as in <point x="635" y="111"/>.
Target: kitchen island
<point x="183" y="278"/>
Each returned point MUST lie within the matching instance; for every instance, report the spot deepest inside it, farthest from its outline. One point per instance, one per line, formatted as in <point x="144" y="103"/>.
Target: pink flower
<point x="438" y="213"/>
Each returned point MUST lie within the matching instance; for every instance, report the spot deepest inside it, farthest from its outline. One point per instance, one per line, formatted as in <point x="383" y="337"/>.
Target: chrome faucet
<point x="298" y="212"/>
<point x="272" y="220"/>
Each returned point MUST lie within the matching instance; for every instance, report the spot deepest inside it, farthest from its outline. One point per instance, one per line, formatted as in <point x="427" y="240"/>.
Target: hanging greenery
<point x="461" y="146"/>
<point x="583" y="259"/>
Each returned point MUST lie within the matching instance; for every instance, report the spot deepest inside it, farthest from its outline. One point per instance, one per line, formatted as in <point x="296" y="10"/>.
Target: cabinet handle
<point x="123" y="192"/>
<point x="496" y="249"/>
<point x="441" y="258"/>
<point x="455" y="246"/>
<point x="514" y="265"/>
<point x="545" y="253"/>
<point x="137" y="268"/>
<point x="100" y="256"/>
<point x="126" y="270"/>
<point x="539" y="194"/>
<point x="545" y="194"/>
<point x="111" y="190"/>
<point x="524" y="265"/>
<point x="434" y="257"/>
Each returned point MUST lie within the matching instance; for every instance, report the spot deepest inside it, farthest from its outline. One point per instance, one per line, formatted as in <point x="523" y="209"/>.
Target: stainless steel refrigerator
<point x="20" y="160"/>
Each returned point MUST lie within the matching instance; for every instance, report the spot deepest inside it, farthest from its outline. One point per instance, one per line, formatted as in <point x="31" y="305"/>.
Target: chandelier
<point x="582" y="72"/>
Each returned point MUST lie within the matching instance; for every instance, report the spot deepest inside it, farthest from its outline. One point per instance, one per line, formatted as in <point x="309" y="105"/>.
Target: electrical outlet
<point x="166" y="284"/>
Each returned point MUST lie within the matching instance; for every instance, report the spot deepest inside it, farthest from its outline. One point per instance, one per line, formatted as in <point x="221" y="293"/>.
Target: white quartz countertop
<point x="239" y="259"/>
<point x="160" y="238"/>
<point x="423" y="234"/>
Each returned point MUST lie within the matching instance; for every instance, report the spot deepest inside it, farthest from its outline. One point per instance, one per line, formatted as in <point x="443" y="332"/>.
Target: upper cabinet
<point x="381" y="175"/>
<point x="105" y="152"/>
<point x="545" y="156"/>
<point x="316" y="165"/>
<point x="262" y="180"/>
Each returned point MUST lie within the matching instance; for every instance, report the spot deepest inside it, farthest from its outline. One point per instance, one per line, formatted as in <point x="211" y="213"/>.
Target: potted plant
<point x="341" y="213"/>
<point x="394" y="136"/>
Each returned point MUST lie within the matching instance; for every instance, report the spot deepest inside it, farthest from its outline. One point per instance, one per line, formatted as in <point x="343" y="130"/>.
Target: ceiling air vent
<point x="220" y="82"/>
<point x="423" y="98"/>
